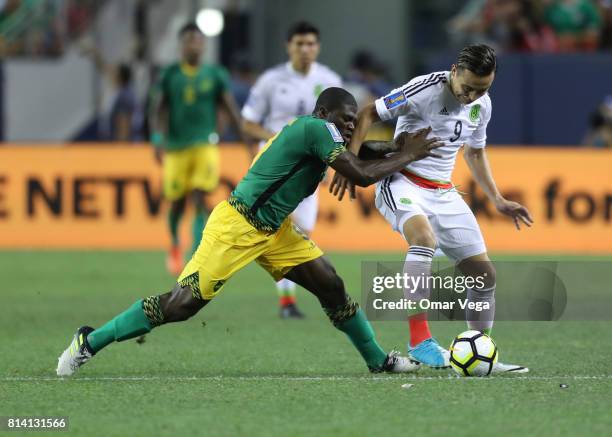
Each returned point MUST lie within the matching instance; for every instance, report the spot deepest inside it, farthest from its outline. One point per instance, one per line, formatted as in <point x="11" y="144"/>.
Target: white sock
<point x="418" y="266"/>
<point x="481" y="320"/>
<point x="285" y="287"/>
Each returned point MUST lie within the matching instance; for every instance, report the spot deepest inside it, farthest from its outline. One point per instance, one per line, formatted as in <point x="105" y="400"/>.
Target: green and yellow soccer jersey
<point x="287" y="170"/>
<point x="191" y="95"/>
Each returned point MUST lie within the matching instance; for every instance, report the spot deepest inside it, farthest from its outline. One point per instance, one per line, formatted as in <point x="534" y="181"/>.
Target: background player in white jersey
<point x="281" y="94"/>
<point x="422" y="204"/>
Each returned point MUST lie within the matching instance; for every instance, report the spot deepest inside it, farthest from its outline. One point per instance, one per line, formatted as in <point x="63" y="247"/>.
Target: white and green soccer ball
<point x="473" y="353"/>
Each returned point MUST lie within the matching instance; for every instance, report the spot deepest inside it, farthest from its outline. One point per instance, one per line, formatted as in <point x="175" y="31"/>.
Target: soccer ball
<point x="473" y="353"/>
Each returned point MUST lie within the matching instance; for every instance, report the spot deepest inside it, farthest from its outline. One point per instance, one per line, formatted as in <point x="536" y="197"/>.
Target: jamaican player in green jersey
<point x="184" y="123"/>
<point x="253" y="225"/>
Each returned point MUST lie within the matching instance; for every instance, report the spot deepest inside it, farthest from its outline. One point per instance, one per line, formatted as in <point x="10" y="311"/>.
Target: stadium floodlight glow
<point x="210" y="22"/>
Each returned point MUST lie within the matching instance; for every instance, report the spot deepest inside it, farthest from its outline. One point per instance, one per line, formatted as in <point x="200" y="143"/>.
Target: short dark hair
<point x="125" y="74"/>
<point x="478" y="58"/>
<point x="334" y="98"/>
<point x="189" y="27"/>
<point x="302" y="28"/>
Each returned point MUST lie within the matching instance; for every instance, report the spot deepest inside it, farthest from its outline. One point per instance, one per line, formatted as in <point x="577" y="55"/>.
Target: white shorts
<point x="305" y="215"/>
<point x="457" y="232"/>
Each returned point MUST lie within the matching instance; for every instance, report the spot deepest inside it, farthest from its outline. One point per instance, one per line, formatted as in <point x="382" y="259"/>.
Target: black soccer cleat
<point x="291" y="311"/>
<point x="396" y="363"/>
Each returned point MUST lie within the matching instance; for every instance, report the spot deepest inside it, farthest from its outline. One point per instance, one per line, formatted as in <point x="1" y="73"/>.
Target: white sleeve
<point x="479" y="136"/>
<point x="336" y="80"/>
<point x="392" y="105"/>
<point x="257" y="105"/>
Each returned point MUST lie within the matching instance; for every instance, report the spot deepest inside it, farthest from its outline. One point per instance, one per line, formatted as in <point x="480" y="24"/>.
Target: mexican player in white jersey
<point x="423" y="205"/>
<point x="281" y="94"/>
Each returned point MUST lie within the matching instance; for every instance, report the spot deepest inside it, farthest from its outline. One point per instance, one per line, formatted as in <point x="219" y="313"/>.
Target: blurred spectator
<point x="242" y="78"/>
<point x="600" y="131"/>
<point x="605" y="10"/>
<point x="467" y="23"/>
<point x="492" y="22"/>
<point x="531" y="25"/>
<point x="529" y="32"/>
<point x="125" y="122"/>
<point x="79" y="14"/>
<point x="366" y="79"/>
<point x="577" y="23"/>
<point x="8" y="16"/>
<point x="41" y="27"/>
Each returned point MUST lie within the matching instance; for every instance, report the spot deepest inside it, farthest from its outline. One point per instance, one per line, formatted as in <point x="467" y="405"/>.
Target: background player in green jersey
<point x="184" y="124"/>
<point x="254" y="225"/>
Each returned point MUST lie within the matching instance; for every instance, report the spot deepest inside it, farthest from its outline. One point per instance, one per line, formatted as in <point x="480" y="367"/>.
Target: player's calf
<point x="482" y="294"/>
<point x="177" y="305"/>
<point x="319" y="277"/>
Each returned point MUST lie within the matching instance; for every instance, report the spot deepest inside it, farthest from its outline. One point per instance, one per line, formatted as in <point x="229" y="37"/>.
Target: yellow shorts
<point x="229" y="243"/>
<point x="194" y="168"/>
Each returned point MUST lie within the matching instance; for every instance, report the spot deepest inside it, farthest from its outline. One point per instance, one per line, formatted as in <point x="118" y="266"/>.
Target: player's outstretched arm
<point x="256" y="130"/>
<point x="410" y="147"/>
<point x="376" y="149"/>
<point x="479" y="166"/>
<point x="365" y="118"/>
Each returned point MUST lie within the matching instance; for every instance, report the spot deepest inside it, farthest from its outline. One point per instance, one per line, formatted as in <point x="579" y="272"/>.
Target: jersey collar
<point x="292" y="70"/>
<point x="189" y="70"/>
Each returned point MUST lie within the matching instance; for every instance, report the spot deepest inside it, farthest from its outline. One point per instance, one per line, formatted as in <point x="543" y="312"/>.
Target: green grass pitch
<point x="237" y="369"/>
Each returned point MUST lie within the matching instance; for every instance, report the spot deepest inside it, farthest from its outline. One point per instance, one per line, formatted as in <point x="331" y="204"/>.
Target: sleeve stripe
<point x="335" y="153"/>
<point x="415" y="91"/>
<point x="431" y="78"/>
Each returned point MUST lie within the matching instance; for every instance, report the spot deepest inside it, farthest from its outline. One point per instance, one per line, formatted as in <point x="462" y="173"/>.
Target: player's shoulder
<point x="484" y="105"/>
<point x="310" y="121"/>
<point x="321" y="128"/>
<point x="485" y="101"/>
<point x="327" y="73"/>
<point x="213" y="70"/>
<point x="425" y="85"/>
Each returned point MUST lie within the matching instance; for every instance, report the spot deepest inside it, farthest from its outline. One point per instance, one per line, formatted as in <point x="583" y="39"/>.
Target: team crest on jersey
<point x="206" y="85"/>
<point x="335" y="133"/>
<point x="475" y="113"/>
<point x="395" y="100"/>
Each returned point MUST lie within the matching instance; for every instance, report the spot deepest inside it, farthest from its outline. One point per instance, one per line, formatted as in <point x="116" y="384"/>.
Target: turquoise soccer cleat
<point x="430" y="353"/>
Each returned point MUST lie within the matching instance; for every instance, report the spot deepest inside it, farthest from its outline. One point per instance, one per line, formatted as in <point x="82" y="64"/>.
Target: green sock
<point x="359" y="330"/>
<point x="173" y="222"/>
<point x="199" y="221"/>
<point x="129" y="324"/>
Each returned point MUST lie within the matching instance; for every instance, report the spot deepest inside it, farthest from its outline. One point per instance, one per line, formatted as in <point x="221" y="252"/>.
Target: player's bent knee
<point x="478" y="268"/>
<point x="489" y="272"/>
<point x="180" y="304"/>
